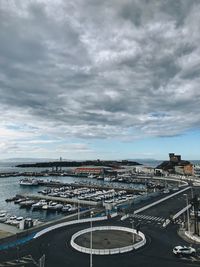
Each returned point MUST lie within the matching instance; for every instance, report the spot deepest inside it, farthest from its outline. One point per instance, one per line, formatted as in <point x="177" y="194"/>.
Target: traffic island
<point x="189" y="237"/>
<point x="107" y="240"/>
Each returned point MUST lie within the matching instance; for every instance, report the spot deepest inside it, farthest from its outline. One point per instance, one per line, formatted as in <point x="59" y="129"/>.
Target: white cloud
<point x="98" y="69"/>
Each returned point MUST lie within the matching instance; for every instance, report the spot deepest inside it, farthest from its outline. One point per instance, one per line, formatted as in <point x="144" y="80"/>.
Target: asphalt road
<point x="156" y="253"/>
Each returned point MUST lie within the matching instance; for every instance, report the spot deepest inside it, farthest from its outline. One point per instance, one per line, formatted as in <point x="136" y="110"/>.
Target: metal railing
<point x="60" y="225"/>
<point x="108" y="251"/>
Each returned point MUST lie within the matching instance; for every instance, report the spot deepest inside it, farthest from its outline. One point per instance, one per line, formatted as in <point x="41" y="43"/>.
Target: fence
<point x="60" y="225"/>
<point x="108" y="251"/>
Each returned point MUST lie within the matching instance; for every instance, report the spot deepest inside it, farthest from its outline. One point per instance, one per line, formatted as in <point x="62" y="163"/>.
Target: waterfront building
<point x="176" y="165"/>
<point x="197" y="170"/>
<point x="174" y="158"/>
<point x="184" y="169"/>
<point x="92" y="170"/>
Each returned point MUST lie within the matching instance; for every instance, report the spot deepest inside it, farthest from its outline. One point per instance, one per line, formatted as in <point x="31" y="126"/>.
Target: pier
<point x="91" y="185"/>
<point x="63" y="200"/>
<point x="110" y="186"/>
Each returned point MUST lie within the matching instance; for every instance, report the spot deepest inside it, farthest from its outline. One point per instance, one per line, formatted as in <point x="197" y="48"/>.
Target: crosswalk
<point x="147" y="217"/>
<point x="193" y="259"/>
<point x="21" y="262"/>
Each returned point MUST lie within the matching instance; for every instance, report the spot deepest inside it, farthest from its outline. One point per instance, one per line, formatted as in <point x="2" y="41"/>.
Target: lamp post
<point x="78" y="209"/>
<point x="188" y="218"/>
<point x="91" y="213"/>
<point x="132" y="222"/>
<point x="17" y="253"/>
<point x="113" y="198"/>
<point x="192" y="192"/>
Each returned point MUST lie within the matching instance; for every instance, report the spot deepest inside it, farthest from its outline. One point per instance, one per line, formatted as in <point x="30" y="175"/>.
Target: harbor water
<point x="9" y="187"/>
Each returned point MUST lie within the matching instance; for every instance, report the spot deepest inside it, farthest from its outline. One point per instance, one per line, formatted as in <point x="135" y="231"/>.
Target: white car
<point x="166" y="191"/>
<point x="184" y="250"/>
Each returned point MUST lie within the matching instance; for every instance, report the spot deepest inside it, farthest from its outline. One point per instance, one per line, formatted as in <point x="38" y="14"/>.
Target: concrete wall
<point x="108" y="251"/>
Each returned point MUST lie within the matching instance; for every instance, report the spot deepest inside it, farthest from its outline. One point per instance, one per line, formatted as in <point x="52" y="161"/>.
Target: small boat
<point x="66" y="208"/>
<point x="45" y="207"/>
<point x="13" y="217"/>
<point x="27" y="181"/>
<point x="91" y="176"/>
<point x="55" y="206"/>
<point x="10" y="220"/>
<point x="26" y="203"/>
<point x="100" y="178"/>
<point x="39" y="204"/>
<point x="3" y="216"/>
<point x="73" y="209"/>
<point x="59" y="206"/>
<point x="45" y="191"/>
<point x="17" y="201"/>
<point x="15" y="222"/>
<point x="2" y="212"/>
<point x="3" y="219"/>
<point x="19" y="218"/>
<point x="107" y="179"/>
<point x="52" y="205"/>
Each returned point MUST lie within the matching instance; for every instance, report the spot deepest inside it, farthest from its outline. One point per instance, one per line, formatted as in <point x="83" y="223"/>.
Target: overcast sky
<point x="88" y="79"/>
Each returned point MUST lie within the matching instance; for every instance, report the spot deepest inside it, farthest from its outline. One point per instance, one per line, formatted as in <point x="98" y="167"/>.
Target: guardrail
<point x="125" y="217"/>
<point x="181" y="211"/>
<point x="160" y="200"/>
<point x="108" y="251"/>
<point x="60" y="225"/>
<point x="154" y="203"/>
<point x="192" y="237"/>
<point x="175" y="179"/>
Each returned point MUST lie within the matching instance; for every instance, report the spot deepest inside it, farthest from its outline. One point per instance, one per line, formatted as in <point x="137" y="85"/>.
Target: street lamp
<point x="192" y="197"/>
<point x="192" y="192"/>
<point x="91" y="213"/>
<point x="188" y="218"/>
<point x="132" y="222"/>
<point x="17" y="253"/>
<point x="78" y="209"/>
<point x="113" y="197"/>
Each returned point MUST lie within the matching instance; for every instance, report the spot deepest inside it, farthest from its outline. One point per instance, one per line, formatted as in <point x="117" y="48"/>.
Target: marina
<point x="33" y="199"/>
<point x="141" y="187"/>
<point x="61" y="200"/>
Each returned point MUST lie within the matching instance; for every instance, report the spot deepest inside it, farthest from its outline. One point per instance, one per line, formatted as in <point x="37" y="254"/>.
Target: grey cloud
<point x="102" y="68"/>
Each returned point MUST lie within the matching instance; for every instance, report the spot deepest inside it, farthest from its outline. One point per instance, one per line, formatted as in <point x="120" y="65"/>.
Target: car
<point x="175" y="188"/>
<point x="166" y="191"/>
<point x="184" y="251"/>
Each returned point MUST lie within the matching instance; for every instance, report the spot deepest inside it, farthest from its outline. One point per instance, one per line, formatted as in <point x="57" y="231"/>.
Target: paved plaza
<point x="106" y="239"/>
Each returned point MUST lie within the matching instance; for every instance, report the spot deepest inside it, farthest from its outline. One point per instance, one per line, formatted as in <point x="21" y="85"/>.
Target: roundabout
<point x="107" y="240"/>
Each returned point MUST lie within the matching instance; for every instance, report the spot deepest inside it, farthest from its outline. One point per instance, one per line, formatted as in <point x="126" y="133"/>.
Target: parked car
<point x="184" y="250"/>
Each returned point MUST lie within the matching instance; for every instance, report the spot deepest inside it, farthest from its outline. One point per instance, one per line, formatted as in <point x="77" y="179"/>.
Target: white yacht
<point x="66" y="208"/>
<point x="55" y="206"/>
<point x="91" y="176"/>
<point x="27" y="181"/>
<point x="39" y="204"/>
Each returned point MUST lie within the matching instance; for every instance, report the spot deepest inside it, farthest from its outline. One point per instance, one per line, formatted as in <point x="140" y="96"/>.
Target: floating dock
<point x="91" y="185"/>
<point x="63" y="200"/>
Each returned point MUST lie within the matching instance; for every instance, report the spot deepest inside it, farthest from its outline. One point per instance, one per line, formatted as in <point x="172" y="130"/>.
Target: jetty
<point x="63" y="200"/>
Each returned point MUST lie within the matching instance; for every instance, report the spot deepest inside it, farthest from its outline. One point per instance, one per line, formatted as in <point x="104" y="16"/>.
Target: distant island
<point x="107" y="163"/>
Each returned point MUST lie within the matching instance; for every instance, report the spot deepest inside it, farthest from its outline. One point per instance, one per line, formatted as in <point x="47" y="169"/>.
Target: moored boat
<point x="55" y="206"/>
<point x="39" y="204"/>
<point x="26" y="203"/>
<point x="27" y="181"/>
<point x="66" y="208"/>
